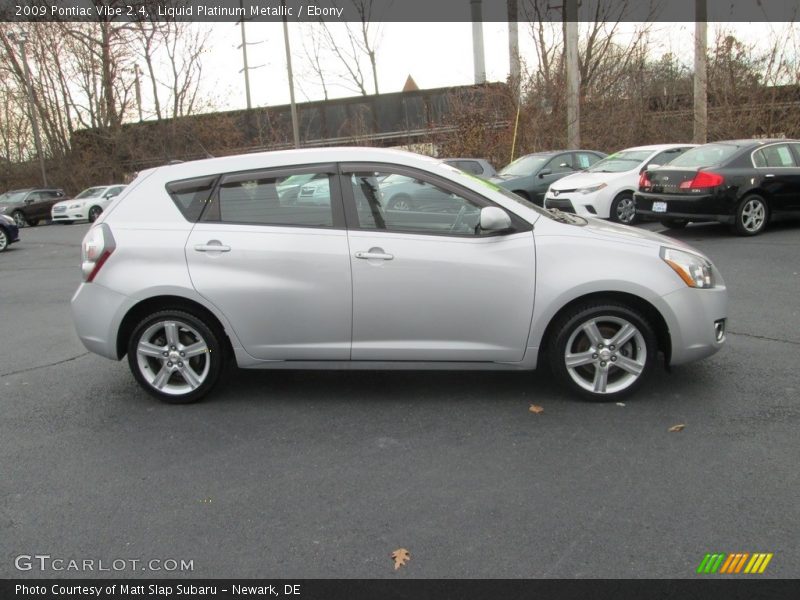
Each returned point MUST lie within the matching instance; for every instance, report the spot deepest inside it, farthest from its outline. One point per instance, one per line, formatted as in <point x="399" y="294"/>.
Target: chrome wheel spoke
<point x="579" y="359"/>
<point x="629" y="365"/>
<point x="195" y="349"/>
<point x="148" y="349"/>
<point x="162" y="378"/>
<point x="171" y="331"/>
<point x="593" y="333"/>
<point x="623" y="335"/>
<point x="600" y="379"/>
<point x="189" y="376"/>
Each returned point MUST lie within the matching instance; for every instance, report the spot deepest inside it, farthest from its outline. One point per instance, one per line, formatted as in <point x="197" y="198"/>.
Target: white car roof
<point x="657" y="147"/>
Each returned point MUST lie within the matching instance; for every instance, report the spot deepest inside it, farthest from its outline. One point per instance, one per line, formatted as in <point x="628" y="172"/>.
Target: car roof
<point x="290" y="158"/>
<point x="656" y="147"/>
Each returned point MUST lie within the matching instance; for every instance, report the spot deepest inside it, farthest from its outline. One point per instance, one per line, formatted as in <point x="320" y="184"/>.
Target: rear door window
<point x="779" y="155"/>
<point x="191" y="195"/>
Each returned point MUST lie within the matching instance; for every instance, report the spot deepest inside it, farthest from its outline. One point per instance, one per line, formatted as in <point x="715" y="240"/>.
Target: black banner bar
<point x="401" y="589"/>
<point x="391" y="10"/>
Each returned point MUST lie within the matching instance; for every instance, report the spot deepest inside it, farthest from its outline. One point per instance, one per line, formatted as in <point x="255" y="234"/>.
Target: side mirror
<point x="494" y="219"/>
<point x="544" y="172"/>
<point x="29" y="200"/>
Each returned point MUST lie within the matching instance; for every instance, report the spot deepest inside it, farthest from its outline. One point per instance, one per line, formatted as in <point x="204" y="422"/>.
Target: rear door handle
<point x="212" y="246"/>
<point x="374" y="253"/>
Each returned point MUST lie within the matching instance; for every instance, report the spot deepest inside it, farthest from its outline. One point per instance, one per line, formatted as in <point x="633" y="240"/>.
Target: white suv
<point x="85" y="206"/>
<point x="202" y="262"/>
<point x="605" y="189"/>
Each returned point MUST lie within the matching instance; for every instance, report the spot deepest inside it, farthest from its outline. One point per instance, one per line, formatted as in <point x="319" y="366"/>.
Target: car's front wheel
<point x="603" y="351"/>
<point x="19" y="218"/>
<point x="623" y="209"/>
<point x="175" y="356"/>
<point x="3" y="240"/>
<point x="751" y="216"/>
<point x="94" y="212"/>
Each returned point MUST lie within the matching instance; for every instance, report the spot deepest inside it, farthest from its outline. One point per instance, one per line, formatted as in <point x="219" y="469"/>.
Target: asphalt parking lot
<point x="304" y="474"/>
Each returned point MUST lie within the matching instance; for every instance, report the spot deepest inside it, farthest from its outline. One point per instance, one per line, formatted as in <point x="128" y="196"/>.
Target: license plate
<point x="659" y="207"/>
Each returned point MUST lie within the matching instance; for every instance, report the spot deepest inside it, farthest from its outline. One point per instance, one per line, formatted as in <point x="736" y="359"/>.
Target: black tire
<point x="94" y="212"/>
<point x="3" y="240"/>
<point x="675" y="223"/>
<point x="190" y="330"/>
<point x="623" y="209"/>
<point x="638" y="352"/>
<point x="752" y="216"/>
<point x="19" y="218"/>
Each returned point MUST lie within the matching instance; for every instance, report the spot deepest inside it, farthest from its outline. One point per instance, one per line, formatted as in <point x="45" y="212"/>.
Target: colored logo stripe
<point x="734" y="563"/>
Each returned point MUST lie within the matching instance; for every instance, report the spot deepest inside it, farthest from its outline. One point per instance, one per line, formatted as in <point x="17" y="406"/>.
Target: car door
<point x="278" y="270"/>
<point x="428" y="285"/>
<point x="780" y="176"/>
<point x="36" y="206"/>
<point x="556" y="168"/>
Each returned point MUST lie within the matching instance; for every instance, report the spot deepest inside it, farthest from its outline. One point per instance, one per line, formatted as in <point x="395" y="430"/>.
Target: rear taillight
<point x="97" y="246"/>
<point x="702" y="181"/>
<point x="644" y="180"/>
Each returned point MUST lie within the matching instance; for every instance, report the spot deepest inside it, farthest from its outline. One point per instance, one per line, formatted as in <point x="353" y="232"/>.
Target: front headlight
<point x="591" y="189"/>
<point x="76" y="205"/>
<point x="695" y="270"/>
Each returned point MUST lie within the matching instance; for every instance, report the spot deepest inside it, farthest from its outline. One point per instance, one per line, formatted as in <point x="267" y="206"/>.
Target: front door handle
<point x="212" y="246"/>
<point x="374" y="253"/>
<point x="770" y="175"/>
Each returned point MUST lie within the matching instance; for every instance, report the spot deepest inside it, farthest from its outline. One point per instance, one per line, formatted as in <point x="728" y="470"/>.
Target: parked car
<point x="9" y="232"/>
<point x="529" y="176"/>
<point x="223" y="268"/>
<point x="476" y="166"/>
<point x="744" y="183"/>
<point x="89" y="204"/>
<point x="606" y="189"/>
<point x="29" y="206"/>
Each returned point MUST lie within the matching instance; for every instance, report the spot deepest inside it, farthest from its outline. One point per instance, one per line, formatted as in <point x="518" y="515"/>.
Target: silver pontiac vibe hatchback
<point x="360" y="258"/>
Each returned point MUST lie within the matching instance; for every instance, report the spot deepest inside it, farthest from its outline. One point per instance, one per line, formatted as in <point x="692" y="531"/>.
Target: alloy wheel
<point x="754" y="213"/>
<point x="19" y="219"/>
<point x="94" y="212"/>
<point x="605" y="355"/>
<point x="626" y="210"/>
<point x="3" y="240"/>
<point x="173" y="357"/>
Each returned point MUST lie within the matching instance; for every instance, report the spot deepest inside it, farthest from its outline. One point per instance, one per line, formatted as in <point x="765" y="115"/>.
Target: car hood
<point x="607" y="229"/>
<point x="66" y="202"/>
<point x="579" y="180"/>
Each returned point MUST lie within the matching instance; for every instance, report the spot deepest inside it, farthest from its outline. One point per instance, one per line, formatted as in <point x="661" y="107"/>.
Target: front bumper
<point x="97" y="313"/>
<point x="12" y="232"/>
<point x="697" y="320"/>
<point x="76" y="214"/>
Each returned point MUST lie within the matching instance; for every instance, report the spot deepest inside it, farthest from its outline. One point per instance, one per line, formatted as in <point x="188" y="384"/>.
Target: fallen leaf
<point x="536" y="409"/>
<point x="676" y="428"/>
<point x="400" y="556"/>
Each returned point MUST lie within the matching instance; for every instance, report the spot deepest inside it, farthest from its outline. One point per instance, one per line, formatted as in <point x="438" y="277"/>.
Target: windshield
<point x="527" y="165"/>
<point x="13" y="197"/>
<point x="627" y="160"/>
<point x="709" y="155"/>
<point x="93" y="192"/>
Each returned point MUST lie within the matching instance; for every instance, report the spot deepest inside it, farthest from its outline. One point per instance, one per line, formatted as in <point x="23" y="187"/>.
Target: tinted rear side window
<point x="191" y="195"/>
<point x="710" y="155"/>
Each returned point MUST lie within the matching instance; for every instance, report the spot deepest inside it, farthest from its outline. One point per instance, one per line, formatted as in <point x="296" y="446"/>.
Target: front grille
<point x="562" y="205"/>
<point x="60" y="209"/>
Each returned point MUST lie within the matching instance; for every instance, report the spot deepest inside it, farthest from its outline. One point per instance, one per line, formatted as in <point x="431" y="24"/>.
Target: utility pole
<point x="245" y="68"/>
<point x="700" y="75"/>
<point x="513" y="48"/>
<point x="295" y="127"/>
<point x="573" y="74"/>
<point x="21" y="38"/>
<point x="138" y="90"/>
<point x="478" y="61"/>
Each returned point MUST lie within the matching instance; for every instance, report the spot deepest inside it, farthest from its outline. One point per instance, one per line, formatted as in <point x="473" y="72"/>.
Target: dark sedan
<point x="529" y="176"/>
<point x="9" y="232"/>
<point x="743" y="183"/>
<point x="31" y="205"/>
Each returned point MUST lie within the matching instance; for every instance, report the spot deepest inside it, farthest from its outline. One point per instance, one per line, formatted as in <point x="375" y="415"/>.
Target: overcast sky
<point x="435" y="54"/>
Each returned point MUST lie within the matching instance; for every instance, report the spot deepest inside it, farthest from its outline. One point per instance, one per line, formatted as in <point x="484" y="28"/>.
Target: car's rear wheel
<point x="94" y="212"/>
<point x="752" y="215"/>
<point x="19" y="218"/>
<point x="3" y="240"/>
<point x="602" y="351"/>
<point x="401" y="202"/>
<point x="623" y="209"/>
<point x="175" y="356"/>
<point x="675" y="223"/>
